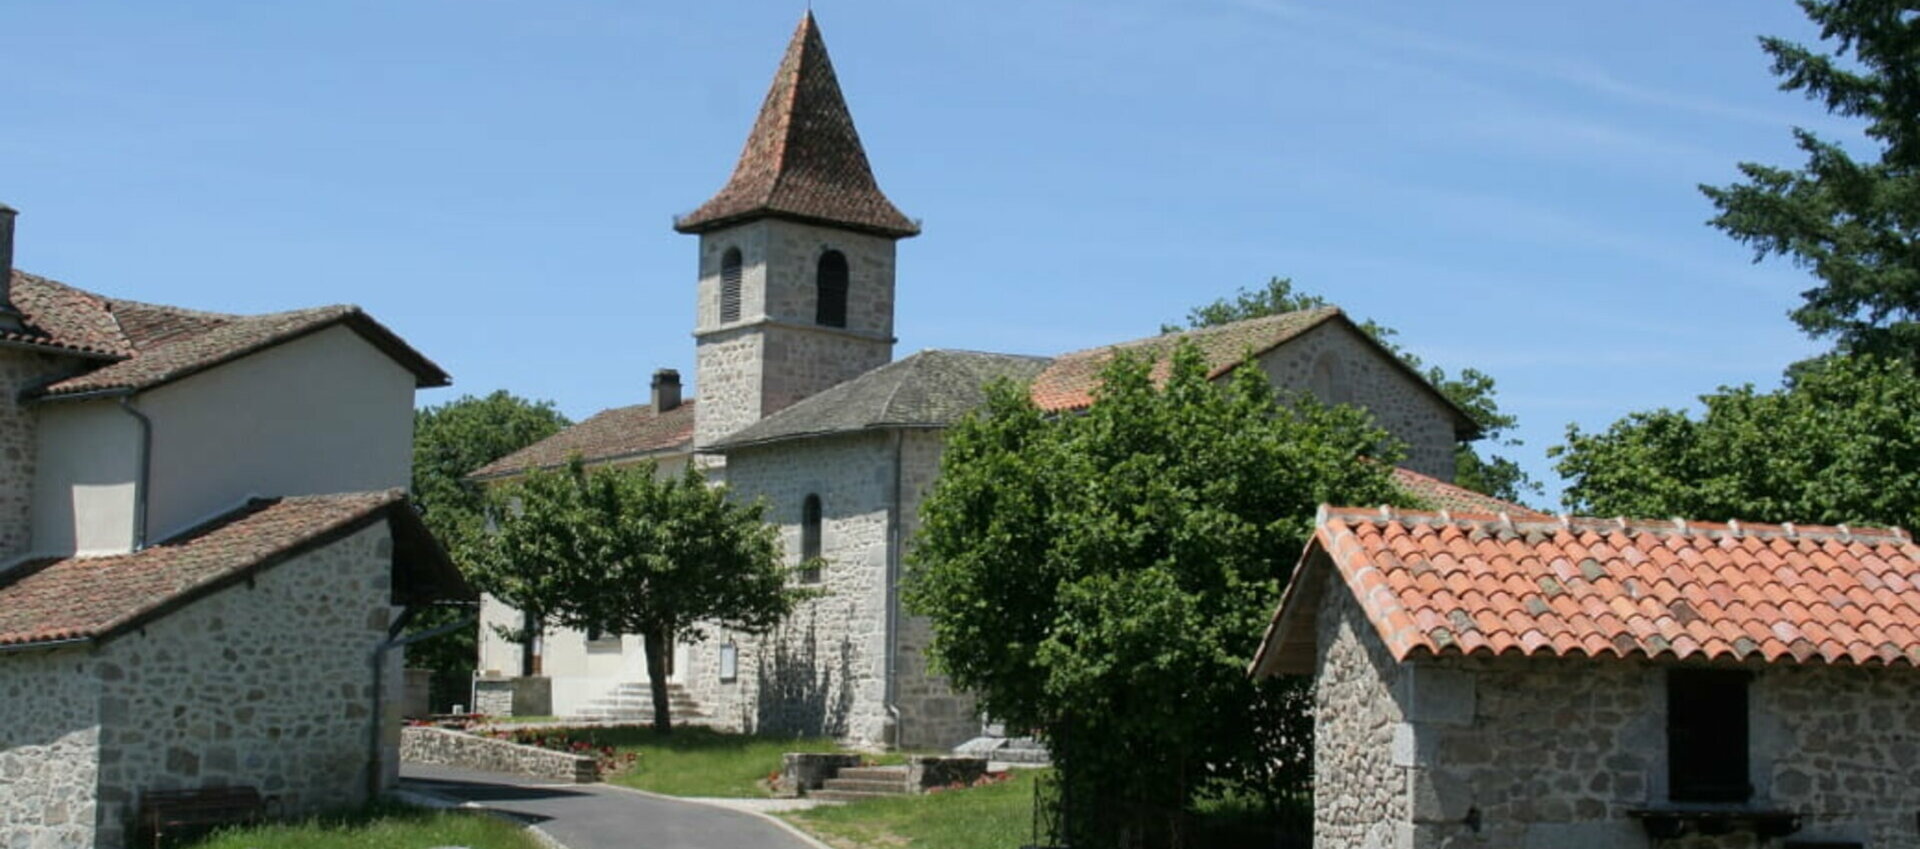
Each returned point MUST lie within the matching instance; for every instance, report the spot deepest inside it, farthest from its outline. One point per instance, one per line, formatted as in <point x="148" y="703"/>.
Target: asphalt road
<point x="595" y="816"/>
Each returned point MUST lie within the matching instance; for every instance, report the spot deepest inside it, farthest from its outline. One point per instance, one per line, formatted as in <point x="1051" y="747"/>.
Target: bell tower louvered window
<point x="831" y="309"/>
<point x="730" y="286"/>
<point x="810" y="540"/>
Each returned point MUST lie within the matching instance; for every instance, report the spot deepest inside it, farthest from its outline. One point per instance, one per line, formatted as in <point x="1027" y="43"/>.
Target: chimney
<point x="9" y="315"/>
<point x="666" y="390"/>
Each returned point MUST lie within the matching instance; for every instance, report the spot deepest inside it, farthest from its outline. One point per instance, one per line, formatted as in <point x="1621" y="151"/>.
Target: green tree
<point x="1104" y="577"/>
<point x="1472" y="390"/>
<point x="1854" y="224"/>
<point x="449" y="441"/>
<point x="622" y="551"/>
<point x="1840" y="445"/>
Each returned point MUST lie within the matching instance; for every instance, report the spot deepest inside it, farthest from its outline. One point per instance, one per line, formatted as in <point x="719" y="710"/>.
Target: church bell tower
<point x="796" y="255"/>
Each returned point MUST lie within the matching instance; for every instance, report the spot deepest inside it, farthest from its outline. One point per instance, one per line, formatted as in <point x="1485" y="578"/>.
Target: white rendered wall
<point x="84" y="483"/>
<point x="324" y="413"/>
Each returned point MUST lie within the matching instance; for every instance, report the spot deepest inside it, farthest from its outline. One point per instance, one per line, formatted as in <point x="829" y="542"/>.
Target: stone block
<point x="926" y="772"/>
<point x="1440" y="696"/>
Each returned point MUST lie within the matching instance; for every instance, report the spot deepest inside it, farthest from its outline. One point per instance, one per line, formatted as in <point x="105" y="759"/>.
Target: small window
<point x="730" y="286"/>
<point x="831" y="308"/>
<point x="729" y="663"/>
<point x="810" y="540"/>
<point x="1707" y="735"/>
<point x="1329" y="384"/>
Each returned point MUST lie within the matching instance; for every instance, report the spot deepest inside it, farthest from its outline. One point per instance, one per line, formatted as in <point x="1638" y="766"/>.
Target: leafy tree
<point x="450" y="440"/>
<point x="1472" y="390"/>
<point x="1854" y="224"/>
<point x="1840" y="445"/>
<point x="623" y="551"/>
<point x="1104" y="577"/>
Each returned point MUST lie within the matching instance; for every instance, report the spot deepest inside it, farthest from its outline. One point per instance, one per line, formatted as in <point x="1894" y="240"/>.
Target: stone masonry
<point x="19" y="370"/>
<point x="1556" y="752"/>
<point x="265" y="685"/>
<point x="1349" y="370"/>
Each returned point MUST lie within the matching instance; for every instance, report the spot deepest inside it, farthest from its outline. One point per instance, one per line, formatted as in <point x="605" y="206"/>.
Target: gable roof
<point x="929" y="389"/>
<point x="149" y="345"/>
<point x="1438" y="585"/>
<point x="1457" y="499"/>
<point x="609" y="435"/>
<point x="803" y="158"/>
<point x="1069" y="383"/>
<point x="61" y="600"/>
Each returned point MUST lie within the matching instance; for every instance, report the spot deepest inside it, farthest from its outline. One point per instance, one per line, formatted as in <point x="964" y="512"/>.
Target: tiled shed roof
<point x="803" y="158"/>
<point x="148" y="345"/>
<point x="609" y="435"/>
<point x="76" y="598"/>
<point x="929" y="389"/>
<point x="1433" y="584"/>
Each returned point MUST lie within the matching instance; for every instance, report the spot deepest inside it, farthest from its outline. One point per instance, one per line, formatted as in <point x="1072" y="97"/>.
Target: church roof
<point x="69" y="599"/>
<point x="929" y="389"/>
<point x="1068" y="383"/>
<point x="143" y="346"/>
<point x="608" y="436"/>
<point x="803" y="159"/>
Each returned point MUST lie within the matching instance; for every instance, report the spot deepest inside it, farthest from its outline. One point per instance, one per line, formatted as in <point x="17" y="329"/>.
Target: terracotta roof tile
<point x="92" y="597"/>
<point x="803" y="158"/>
<point x="616" y="434"/>
<point x="1661" y="590"/>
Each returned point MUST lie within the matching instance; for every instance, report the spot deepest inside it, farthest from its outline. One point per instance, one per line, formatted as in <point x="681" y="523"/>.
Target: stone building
<point x="1502" y="681"/>
<point x="802" y="404"/>
<point x="203" y="549"/>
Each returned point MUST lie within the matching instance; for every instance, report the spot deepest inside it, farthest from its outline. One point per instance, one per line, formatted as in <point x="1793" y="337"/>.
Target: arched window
<point x="1328" y="382"/>
<point x="810" y="540"/>
<point x="832" y="304"/>
<point x="730" y="286"/>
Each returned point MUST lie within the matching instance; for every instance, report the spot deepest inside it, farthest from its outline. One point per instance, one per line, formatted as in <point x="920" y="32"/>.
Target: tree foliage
<point x="1840" y="445"/>
<point x="1854" y="224"/>
<point x="620" y="550"/>
<point x="1103" y="578"/>
<point x="1472" y="390"/>
<point x="449" y="441"/>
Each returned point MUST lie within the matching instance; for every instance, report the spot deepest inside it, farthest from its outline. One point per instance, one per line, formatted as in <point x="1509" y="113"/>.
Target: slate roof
<point x="1445" y="496"/>
<point x="609" y="435"/>
<point x="1438" y="585"/>
<point x="93" y="598"/>
<point x="803" y="158"/>
<point x="929" y="389"/>
<point x="149" y="345"/>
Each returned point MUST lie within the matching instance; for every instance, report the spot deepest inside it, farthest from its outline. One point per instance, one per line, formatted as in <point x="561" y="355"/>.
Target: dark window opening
<point x="1707" y="735"/>
<point x="730" y="286"/>
<point x="810" y="540"/>
<point x="831" y="308"/>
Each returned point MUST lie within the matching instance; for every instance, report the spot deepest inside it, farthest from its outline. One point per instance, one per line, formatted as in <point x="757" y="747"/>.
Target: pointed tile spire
<point x="803" y="159"/>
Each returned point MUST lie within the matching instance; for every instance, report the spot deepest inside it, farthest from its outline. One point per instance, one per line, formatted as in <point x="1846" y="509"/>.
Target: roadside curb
<point x="430" y="799"/>
<point x="790" y="828"/>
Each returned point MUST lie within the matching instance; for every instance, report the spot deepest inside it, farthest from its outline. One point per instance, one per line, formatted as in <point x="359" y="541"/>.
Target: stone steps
<point x="634" y="701"/>
<point x="866" y="782"/>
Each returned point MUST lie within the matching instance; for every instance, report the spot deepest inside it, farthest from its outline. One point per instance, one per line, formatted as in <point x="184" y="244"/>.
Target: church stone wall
<point x="800" y="362"/>
<point x="49" y="749"/>
<point x="793" y="258"/>
<point x="933" y="715"/>
<point x="728" y="369"/>
<point x="823" y="671"/>
<point x="267" y="686"/>
<point x="1350" y="370"/>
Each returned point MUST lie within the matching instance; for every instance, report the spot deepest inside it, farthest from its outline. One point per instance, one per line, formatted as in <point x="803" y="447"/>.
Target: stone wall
<point x="801" y="361"/>
<point x="822" y="672"/>
<point x="727" y="368"/>
<point x="49" y="749"/>
<point x="1556" y="752"/>
<point x="267" y="686"/>
<point x="1338" y="366"/>
<point x="422" y="744"/>
<point x="19" y="370"/>
<point x="933" y="715"/>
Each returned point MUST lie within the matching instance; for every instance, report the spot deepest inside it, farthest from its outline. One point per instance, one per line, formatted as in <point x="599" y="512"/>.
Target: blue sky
<point x="1510" y="184"/>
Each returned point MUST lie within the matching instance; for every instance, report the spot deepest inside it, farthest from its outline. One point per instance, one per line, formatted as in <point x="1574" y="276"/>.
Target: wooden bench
<point x="180" y="812"/>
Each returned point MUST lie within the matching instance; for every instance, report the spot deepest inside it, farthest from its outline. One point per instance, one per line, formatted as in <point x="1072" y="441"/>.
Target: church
<point x="802" y="403"/>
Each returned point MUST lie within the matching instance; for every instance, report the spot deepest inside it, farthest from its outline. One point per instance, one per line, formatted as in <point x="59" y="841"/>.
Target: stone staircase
<point x="632" y="701"/>
<point x="864" y="782"/>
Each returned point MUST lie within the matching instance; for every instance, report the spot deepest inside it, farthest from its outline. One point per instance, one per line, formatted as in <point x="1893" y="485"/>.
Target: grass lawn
<point x="998" y="816"/>
<point x="380" y="827"/>
<point x="697" y="761"/>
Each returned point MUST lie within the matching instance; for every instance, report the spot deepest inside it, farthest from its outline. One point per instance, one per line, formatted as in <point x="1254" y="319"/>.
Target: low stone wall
<point x="530" y="696"/>
<point x="926" y="772"/>
<point x="429" y="745"/>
